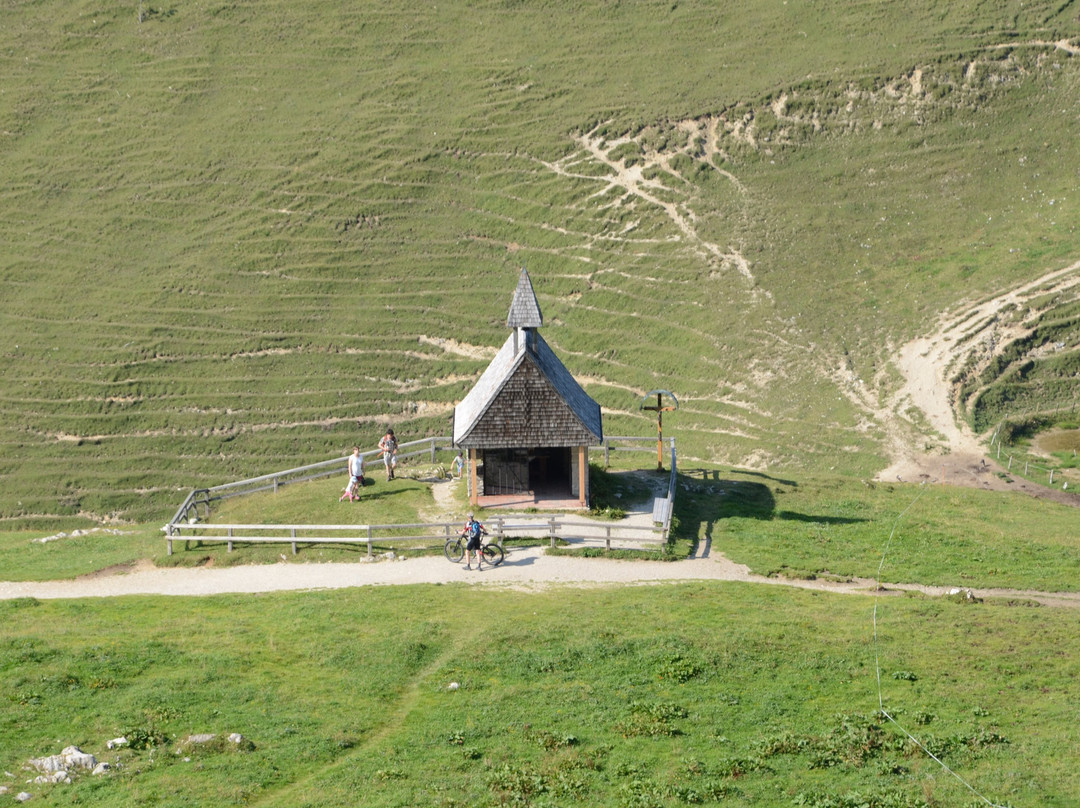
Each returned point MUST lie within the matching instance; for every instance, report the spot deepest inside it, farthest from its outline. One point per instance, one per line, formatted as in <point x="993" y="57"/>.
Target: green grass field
<point x="714" y="694"/>
<point x="241" y="237"/>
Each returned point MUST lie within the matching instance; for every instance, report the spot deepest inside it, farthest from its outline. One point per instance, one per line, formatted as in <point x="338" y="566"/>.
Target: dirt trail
<point x="927" y="364"/>
<point x="527" y="568"/>
<point x="637" y="181"/>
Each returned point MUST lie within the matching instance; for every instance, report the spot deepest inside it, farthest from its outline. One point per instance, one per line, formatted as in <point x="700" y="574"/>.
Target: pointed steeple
<point x="524" y="310"/>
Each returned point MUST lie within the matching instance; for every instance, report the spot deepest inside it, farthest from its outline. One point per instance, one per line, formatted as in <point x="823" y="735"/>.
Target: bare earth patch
<point x="928" y="363"/>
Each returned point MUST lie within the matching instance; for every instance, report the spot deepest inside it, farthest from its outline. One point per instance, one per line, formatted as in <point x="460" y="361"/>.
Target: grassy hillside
<point x="655" y="697"/>
<point x="242" y="236"/>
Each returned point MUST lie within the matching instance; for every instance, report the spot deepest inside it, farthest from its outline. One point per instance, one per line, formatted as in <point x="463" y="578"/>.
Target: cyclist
<point x="474" y="531"/>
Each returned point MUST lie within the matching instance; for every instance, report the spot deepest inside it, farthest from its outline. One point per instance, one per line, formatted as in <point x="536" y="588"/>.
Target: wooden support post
<point x="607" y="529"/>
<point x="583" y="476"/>
<point x="370" y="554"/>
<point x="292" y="533"/>
<point x="474" y="497"/>
<point x="552" y="529"/>
<point x="230" y="539"/>
<point x="659" y="435"/>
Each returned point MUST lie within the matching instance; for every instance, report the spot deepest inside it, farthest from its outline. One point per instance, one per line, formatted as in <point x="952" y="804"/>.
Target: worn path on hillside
<point x="528" y="568"/>
<point x="927" y="365"/>
<point x="525" y="568"/>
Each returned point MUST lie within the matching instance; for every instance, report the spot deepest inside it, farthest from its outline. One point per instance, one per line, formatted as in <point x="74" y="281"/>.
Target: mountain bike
<point x="454" y="550"/>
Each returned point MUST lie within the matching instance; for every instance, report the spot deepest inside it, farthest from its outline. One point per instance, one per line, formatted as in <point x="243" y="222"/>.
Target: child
<point x="356" y="476"/>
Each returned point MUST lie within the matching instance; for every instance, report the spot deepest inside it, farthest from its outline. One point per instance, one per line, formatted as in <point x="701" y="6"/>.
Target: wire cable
<point x="877" y="660"/>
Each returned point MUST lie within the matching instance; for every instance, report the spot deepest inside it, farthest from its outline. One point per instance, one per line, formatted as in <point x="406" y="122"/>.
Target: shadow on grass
<point x="708" y="495"/>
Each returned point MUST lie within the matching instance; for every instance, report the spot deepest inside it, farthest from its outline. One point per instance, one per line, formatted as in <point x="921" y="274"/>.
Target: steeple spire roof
<point x="524" y="310"/>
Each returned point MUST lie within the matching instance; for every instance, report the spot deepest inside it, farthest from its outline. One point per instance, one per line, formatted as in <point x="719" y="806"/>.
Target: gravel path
<point x="524" y="568"/>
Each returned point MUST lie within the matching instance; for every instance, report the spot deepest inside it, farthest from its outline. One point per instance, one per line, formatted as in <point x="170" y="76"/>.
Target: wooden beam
<point x="583" y="475"/>
<point x="474" y="497"/>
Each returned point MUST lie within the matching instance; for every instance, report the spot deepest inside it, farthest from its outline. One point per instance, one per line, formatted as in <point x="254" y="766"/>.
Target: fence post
<point x="607" y="453"/>
<point x="292" y="532"/>
<point x="1051" y="476"/>
<point x="552" y="529"/>
<point x="433" y="451"/>
<point x="370" y="555"/>
<point x="168" y="538"/>
<point x="230" y="539"/>
<point x="499" y="531"/>
<point x="607" y="530"/>
<point x="275" y="483"/>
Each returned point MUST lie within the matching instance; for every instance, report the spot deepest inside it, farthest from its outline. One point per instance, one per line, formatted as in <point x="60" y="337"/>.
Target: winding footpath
<point x="527" y="568"/>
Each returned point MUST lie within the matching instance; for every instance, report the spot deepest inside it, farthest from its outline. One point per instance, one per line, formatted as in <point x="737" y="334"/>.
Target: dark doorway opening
<point x="549" y="471"/>
<point x="542" y="471"/>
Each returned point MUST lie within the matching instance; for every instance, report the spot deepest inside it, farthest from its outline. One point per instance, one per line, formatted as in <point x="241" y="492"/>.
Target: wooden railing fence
<point x="424" y="534"/>
<point x="187" y="523"/>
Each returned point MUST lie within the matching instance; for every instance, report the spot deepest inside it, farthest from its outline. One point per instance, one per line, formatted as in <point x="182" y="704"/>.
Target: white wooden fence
<point x="551" y="527"/>
<point x="202" y="497"/>
<point x="1028" y="465"/>
<point x="187" y="525"/>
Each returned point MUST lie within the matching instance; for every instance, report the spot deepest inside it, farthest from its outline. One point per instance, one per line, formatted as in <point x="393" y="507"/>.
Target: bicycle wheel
<point x="453" y="550"/>
<point x="493" y="554"/>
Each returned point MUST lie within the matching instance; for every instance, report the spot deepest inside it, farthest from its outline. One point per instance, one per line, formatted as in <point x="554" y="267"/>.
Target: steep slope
<point x="240" y="236"/>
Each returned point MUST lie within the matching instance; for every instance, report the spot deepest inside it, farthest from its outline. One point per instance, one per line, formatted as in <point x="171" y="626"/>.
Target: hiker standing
<point x="388" y="447"/>
<point x="356" y="476"/>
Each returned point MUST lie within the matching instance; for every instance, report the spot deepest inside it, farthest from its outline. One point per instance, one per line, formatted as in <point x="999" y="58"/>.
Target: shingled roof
<point x="526" y="398"/>
<point x="524" y="310"/>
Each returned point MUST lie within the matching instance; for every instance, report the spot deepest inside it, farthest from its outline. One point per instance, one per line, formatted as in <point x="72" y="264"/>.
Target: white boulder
<point x="78" y="759"/>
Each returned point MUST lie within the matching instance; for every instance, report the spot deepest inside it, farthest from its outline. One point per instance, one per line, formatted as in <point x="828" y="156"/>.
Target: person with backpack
<point x="474" y="531"/>
<point x="388" y="446"/>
